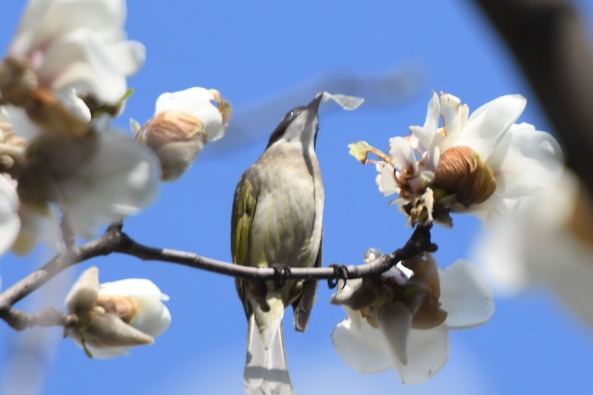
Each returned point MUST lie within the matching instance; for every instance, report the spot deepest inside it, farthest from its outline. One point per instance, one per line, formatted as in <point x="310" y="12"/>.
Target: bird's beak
<point x="313" y="107"/>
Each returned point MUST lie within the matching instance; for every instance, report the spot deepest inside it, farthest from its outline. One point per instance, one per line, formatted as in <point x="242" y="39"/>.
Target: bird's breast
<point x="287" y="222"/>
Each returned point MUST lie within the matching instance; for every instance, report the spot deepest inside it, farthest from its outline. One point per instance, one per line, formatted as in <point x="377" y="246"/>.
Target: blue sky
<point x="257" y="53"/>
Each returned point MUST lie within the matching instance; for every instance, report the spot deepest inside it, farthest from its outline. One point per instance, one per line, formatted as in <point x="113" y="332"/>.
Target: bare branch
<point x="20" y="320"/>
<point x="114" y="240"/>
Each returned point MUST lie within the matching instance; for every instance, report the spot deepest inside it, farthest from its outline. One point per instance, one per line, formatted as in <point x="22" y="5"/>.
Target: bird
<point x="277" y="220"/>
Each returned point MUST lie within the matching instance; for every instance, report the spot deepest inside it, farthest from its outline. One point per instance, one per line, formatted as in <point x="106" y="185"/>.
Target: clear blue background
<point x="250" y="51"/>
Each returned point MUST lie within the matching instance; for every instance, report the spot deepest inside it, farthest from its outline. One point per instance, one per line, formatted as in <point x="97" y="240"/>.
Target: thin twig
<point x="20" y="320"/>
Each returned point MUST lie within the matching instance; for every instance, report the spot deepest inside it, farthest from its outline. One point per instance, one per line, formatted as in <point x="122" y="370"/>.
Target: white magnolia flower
<point x="31" y="223"/>
<point x="548" y="242"/>
<point x="481" y="163"/>
<point x="119" y="179"/>
<point x="97" y="179"/>
<point x="10" y="222"/>
<point x="183" y="123"/>
<point x="409" y="332"/>
<point x="112" y="317"/>
<point x="78" y="44"/>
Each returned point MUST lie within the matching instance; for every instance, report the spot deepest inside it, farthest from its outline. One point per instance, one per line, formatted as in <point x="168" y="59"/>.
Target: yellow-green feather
<point x="244" y="206"/>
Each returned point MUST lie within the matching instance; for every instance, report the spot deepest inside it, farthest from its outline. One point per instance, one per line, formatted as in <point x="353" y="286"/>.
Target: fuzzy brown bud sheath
<point x="176" y="138"/>
<point x="461" y="172"/>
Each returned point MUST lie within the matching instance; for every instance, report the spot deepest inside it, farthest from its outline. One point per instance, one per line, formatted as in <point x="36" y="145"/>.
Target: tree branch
<point x="20" y="320"/>
<point x="114" y="240"/>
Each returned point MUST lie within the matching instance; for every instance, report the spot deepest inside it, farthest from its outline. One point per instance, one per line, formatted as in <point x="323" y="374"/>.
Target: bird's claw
<point x="281" y="273"/>
<point x="340" y="273"/>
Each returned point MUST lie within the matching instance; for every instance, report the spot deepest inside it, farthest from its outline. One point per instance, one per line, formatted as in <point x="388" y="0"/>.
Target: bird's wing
<point x="243" y="211"/>
<point x="303" y="305"/>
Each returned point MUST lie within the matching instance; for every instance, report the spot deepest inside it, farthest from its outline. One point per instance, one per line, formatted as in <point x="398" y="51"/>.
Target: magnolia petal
<point x="119" y="180"/>
<point x="130" y="56"/>
<point x="525" y="161"/>
<point x="386" y="179"/>
<point x="428" y="351"/>
<point x="395" y="321"/>
<point x="25" y="37"/>
<point x="153" y="317"/>
<point x="465" y="295"/>
<point x="490" y="122"/>
<point x="344" y="101"/>
<point x="402" y="155"/>
<point x="10" y="223"/>
<point x="74" y="104"/>
<point x="82" y="61"/>
<point x="450" y="111"/>
<point x="83" y="294"/>
<point x="189" y="100"/>
<point x="22" y="125"/>
<point x="356" y="319"/>
<point x="537" y="245"/>
<point x="346" y="291"/>
<point x="499" y="251"/>
<point x="110" y="336"/>
<point x="38" y="224"/>
<point x="433" y="154"/>
<point x="101" y="352"/>
<point x="570" y="279"/>
<point x="421" y="136"/>
<point x="45" y="19"/>
<point x="362" y="348"/>
<point x="432" y="114"/>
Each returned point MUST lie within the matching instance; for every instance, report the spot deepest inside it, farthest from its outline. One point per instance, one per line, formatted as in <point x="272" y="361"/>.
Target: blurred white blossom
<point x="403" y="323"/>
<point x="119" y="179"/>
<point x="107" y="319"/>
<point x="78" y="44"/>
<point x="481" y="163"/>
<point x="10" y="222"/>
<point x="100" y="177"/>
<point x="549" y="241"/>
<point x="183" y="123"/>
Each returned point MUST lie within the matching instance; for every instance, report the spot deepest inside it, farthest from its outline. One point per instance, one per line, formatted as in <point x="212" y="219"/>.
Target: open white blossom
<point x="112" y="317"/>
<point x="549" y="242"/>
<point x="96" y="179"/>
<point x="408" y="331"/>
<point x="78" y="44"/>
<point x="182" y="124"/>
<point x="10" y="222"/>
<point x="481" y="163"/>
<point x="119" y="179"/>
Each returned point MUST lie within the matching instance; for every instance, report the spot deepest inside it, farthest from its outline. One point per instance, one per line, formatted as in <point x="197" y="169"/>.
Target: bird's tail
<point x="265" y="371"/>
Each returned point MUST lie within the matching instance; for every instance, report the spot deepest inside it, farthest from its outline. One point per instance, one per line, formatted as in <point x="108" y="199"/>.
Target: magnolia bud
<point x="462" y="173"/>
<point x="177" y="138"/>
<point x="183" y="123"/>
<point x="109" y="318"/>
